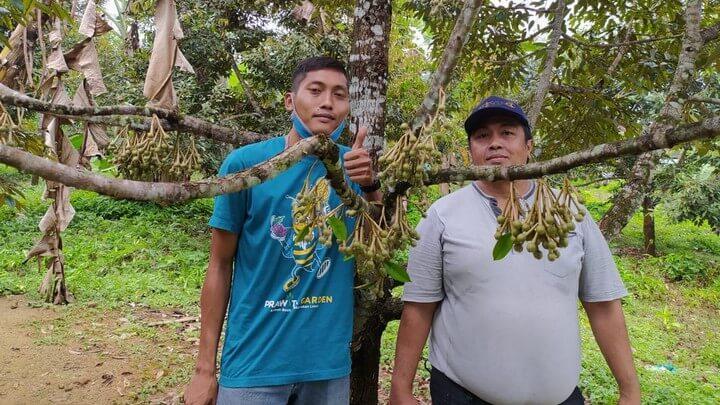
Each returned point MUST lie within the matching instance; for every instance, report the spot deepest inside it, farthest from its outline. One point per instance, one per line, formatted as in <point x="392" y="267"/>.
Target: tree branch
<point x="618" y="44"/>
<point x="708" y="100"/>
<point x="122" y="115"/>
<point x="710" y="33"/>
<point x="627" y="199"/>
<point x="447" y="64"/>
<point x="621" y="52"/>
<point x="170" y="193"/>
<point x="565" y="89"/>
<point x="706" y="129"/>
<point x="546" y="75"/>
<point x="178" y="192"/>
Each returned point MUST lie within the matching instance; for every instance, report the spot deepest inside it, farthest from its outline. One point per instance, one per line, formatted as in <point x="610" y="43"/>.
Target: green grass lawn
<point x="119" y="252"/>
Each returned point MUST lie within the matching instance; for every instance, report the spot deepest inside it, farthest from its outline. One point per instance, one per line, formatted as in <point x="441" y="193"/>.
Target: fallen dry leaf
<point x="107" y="378"/>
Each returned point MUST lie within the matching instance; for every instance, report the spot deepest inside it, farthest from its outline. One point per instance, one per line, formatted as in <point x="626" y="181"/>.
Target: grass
<point x="115" y="251"/>
<point x="120" y="252"/>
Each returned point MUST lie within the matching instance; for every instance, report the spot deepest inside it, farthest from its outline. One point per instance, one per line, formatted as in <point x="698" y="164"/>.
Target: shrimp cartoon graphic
<point x="304" y="250"/>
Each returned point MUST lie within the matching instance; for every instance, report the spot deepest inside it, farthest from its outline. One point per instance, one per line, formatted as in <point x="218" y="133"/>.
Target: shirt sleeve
<point x="425" y="262"/>
<point x="599" y="277"/>
<point x="230" y="209"/>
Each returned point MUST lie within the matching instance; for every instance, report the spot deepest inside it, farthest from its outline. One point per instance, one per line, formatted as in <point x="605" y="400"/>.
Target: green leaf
<point x="302" y="234"/>
<point x="338" y="227"/>
<point x="397" y="272"/>
<point x="502" y="247"/>
<point x="530" y="46"/>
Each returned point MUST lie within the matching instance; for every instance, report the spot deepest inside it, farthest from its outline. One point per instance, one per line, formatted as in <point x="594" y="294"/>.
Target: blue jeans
<point x="325" y="392"/>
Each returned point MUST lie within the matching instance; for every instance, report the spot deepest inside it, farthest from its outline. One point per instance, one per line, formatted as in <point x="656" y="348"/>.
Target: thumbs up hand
<point x="358" y="165"/>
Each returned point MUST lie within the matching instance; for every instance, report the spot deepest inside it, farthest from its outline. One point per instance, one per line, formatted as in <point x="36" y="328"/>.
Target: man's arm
<point x="608" y="326"/>
<point x="412" y="335"/>
<point x="202" y="389"/>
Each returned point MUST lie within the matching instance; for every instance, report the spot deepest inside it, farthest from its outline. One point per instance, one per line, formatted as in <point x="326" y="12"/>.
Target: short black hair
<point x="314" y="63"/>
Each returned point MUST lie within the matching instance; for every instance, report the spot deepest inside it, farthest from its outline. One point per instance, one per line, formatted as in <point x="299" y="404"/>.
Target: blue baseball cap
<point x="494" y="105"/>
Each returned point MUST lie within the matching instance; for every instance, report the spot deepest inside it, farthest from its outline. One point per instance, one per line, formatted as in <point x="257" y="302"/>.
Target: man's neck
<point x="500" y="190"/>
<point x="291" y="138"/>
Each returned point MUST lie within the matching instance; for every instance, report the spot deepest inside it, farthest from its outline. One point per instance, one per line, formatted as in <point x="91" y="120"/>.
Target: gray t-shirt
<point x="505" y="330"/>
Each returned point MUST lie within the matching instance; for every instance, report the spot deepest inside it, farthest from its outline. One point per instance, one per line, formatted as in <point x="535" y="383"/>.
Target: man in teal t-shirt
<point x="289" y="317"/>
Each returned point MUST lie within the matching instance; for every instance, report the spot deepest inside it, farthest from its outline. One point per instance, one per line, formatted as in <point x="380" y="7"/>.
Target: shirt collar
<point x="492" y="201"/>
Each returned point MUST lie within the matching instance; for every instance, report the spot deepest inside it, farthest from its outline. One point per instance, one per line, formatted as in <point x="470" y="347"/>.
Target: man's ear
<point x="289" y="101"/>
<point x="529" y="146"/>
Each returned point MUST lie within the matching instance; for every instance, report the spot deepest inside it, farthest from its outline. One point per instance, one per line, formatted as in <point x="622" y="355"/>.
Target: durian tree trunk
<point x="648" y="206"/>
<point x="628" y="199"/>
<point x="368" y="70"/>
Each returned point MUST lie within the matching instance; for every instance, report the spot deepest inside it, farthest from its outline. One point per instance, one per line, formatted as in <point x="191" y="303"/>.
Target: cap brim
<point x="475" y="119"/>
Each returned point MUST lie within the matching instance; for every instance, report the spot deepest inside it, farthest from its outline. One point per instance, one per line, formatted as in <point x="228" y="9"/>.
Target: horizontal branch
<point x="708" y="100"/>
<point x="566" y="89"/>
<point x="164" y="193"/>
<point x="137" y="118"/>
<point x="708" y="34"/>
<point x="706" y="129"/>
<point x="618" y="44"/>
<point x="171" y="193"/>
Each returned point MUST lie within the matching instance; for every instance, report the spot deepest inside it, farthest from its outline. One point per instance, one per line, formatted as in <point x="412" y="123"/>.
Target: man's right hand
<point x="202" y="389"/>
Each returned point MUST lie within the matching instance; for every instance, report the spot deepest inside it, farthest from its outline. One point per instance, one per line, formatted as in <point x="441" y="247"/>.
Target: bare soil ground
<point x="82" y="354"/>
<point x="78" y="355"/>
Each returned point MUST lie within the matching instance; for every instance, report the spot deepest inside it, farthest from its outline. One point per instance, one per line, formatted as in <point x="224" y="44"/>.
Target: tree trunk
<point x="628" y="199"/>
<point x="132" y="39"/>
<point x="366" y="360"/>
<point x="649" y="226"/>
<point x="368" y="68"/>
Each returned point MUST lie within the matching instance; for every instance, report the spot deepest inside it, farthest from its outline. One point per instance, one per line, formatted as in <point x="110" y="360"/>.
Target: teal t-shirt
<point x="291" y="304"/>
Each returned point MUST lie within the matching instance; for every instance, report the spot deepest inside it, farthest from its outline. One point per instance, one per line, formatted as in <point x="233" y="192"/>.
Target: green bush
<point x="687" y="267"/>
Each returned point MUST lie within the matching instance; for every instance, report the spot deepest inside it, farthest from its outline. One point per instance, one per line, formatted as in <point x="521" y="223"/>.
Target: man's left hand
<point x="358" y="165"/>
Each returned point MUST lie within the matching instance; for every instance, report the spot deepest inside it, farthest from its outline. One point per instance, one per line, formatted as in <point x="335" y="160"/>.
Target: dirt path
<point x="81" y="354"/>
<point x="57" y="355"/>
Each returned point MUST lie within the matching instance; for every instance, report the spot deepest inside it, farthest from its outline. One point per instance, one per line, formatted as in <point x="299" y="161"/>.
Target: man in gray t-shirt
<point x="506" y="331"/>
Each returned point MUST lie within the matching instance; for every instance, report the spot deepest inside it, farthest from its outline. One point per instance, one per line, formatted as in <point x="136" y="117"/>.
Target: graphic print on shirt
<point x="303" y="252"/>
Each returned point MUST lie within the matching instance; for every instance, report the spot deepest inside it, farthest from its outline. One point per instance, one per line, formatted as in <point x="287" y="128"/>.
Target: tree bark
<point x="364" y="382"/>
<point x="649" y="226"/>
<point x="368" y="70"/>
<point x="627" y="199"/>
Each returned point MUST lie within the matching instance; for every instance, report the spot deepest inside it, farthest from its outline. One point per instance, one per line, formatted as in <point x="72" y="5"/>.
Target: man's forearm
<point x="413" y="332"/>
<point x="213" y="305"/>
<point x="608" y="326"/>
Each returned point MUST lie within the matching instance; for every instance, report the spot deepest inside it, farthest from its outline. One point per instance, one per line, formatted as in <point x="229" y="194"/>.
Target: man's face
<point x="500" y="140"/>
<point x="321" y="100"/>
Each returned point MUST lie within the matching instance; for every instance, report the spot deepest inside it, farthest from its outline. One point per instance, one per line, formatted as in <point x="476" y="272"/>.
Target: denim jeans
<point x="325" y="392"/>
<point x="445" y="391"/>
